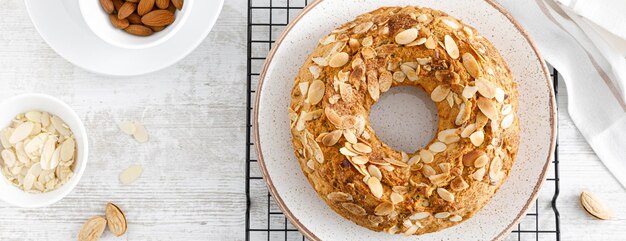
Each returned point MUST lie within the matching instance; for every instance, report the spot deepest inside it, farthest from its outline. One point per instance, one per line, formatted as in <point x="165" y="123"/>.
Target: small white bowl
<point x="98" y="21"/>
<point x="27" y="102"/>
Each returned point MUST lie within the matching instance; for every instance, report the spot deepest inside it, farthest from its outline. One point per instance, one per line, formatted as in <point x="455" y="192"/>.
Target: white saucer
<point x="61" y="25"/>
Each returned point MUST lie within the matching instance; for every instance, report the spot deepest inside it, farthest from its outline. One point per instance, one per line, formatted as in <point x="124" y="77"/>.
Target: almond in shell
<point x="158" y="18"/>
<point x="594" y="206"/>
<point x="92" y="229"/>
<point x="116" y="220"/>
<point x="139" y="30"/>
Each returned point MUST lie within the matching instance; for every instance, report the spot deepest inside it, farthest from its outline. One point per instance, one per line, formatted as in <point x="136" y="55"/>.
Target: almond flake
<point x="448" y="136"/>
<point x="412" y="230"/>
<point x="477" y="138"/>
<point x="419" y="216"/>
<point x="332" y="138"/>
<point x="440" y="93"/>
<point x="481" y="161"/>
<point x="339" y="59"/>
<point x="360" y="160"/>
<point x="430" y="43"/>
<point x="486" y="88"/>
<point x="451" y="48"/>
<point x="21" y="132"/>
<point x="129" y="128"/>
<point x="499" y="95"/>
<point x="384" y="81"/>
<point x="396" y="162"/>
<point x="437" y="147"/>
<point x="488" y="108"/>
<point x="383" y="209"/>
<point x="426" y="156"/>
<point x="414" y="160"/>
<point x="428" y="171"/>
<point x="141" y="134"/>
<point x="375" y="187"/>
<point x="456" y="218"/>
<point x="399" y="76"/>
<point x="131" y="174"/>
<point x="468" y="130"/>
<point x="375" y="172"/>
<point x="316" y="92"/>
<point x="409" y="72"/>
<point x="471" y="65"/>
<point x="445" y="194"/>
<point x="406" y="36"/>
<point x="339" y="197"/>
<point x="442" y="215"/>
<point x="507" y="121"/>
<point x="396" y="198"/>
<point x="479" y="174"/>
<point x="469" y="91"/>
<point x="354" y="209"/>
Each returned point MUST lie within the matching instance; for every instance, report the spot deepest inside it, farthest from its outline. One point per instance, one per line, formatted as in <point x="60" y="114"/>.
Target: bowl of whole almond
<point x="135" y="24"/>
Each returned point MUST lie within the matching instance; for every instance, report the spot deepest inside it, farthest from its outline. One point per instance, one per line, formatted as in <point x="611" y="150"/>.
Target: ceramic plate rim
<point x="310" y="235"/>
<point x="191" y="47"/>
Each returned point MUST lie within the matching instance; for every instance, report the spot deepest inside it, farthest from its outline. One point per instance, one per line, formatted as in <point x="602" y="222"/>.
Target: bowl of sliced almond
<point x="135" y="24"/>
<point x="43" y="150"/>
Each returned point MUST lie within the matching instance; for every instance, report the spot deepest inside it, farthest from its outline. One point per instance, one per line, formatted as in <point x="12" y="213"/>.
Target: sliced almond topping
<point x="477" y="138"/>
<point x="354" y="209"/>
<point x="430" y="43"/>
<point x="481" y="161"/>
<point x="367" y="41"/>
<point x="594" y="206"/>
<point x="396" y="198"/>
<point x="426" y="156"/>
<point x="375" y="187"/>
<point x="339" y="197"/>
<point x="399" y="76"/>
<point x="316" y="92"/>
<point x="448" y="136"/>
<point x="469" y="91"/>
<point x="428" y="171"/>
<point x="469" y="159"/>
<point x="486" y="88"/>
<point x="450" y="22"/>
<point x="458" y="184"/>
<point x="414" y="160"/>
<point x="456" y="218"/>
<point x="385" y="80"/>
<point x="373" y="87"/>
<point x="141" y="134"/>
<point x="360" y="160"/>
<point x="471" y="65"/>
<point x="362" y="148"/>
<point x="332" y="138"/>
<point x="339" y="59"/>
<point x="488" y="108"/>
<point x="442" y="215"/>
<point x="332" y="116"/>
<point x="440" y="93"/>
<point x="451" y="48"/>
<point x="437" y="147"/>
<point x="445" y="194"/>
<point x="315" y="71"/>
<point x="507" y="121"/>
<point x="499" y="95"/>
<point x="468" y="130"/>
<point x="464" y="114"/>
<point x="412" y="230"/>
<point x="396" y="162"/>
<point x="363" y="27"/>
<point x="419" y="216"/>
<point x="384" y="209"/>
<point x="350" y="136"/>
<point x="409" y="72"/>
<point x="406" y="36"/>
<point x="375" y="172"/>
<point x="506" y="109"/>
<point x="479" y="174"/>
<point x="21" y="132"/>
<point x="495" y="167"/>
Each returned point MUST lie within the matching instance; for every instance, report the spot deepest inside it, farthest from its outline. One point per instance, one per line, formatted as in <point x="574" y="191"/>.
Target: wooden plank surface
<point x="193" y="183"/>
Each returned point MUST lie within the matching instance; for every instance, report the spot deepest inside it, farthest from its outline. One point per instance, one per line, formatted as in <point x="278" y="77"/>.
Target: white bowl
<point x="98" y="21"/>
<point x="27" y="102"/>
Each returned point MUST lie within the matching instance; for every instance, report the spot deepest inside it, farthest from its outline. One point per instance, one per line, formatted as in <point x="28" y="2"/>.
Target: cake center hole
<point x="405" y="118"/>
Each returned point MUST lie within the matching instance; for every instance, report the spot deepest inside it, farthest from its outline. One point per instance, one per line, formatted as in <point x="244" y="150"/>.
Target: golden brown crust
<point x="368" y="182"/>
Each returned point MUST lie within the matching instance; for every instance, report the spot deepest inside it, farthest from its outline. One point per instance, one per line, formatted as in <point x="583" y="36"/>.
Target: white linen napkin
<point x="595" y="88"/>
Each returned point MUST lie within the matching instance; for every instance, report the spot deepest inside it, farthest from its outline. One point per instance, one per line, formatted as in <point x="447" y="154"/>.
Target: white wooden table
<point x="192" y="187"/>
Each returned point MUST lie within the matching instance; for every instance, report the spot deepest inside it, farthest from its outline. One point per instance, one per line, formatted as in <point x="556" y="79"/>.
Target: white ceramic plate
<point x="62" y="26"/>
<point x="294" y="194"/>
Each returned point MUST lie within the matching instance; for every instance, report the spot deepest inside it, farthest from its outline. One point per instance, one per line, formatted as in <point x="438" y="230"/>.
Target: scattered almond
<point x="594" y="206"/>
<point x="116" y="220"/>
<point x="92" y="229"/>
<point x="131" y="174"/>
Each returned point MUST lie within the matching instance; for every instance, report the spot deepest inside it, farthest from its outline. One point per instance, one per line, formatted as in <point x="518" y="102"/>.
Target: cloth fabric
<point x="583" y="40"/>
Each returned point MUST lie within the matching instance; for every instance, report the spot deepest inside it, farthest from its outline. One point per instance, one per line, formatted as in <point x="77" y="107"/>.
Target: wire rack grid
<point x="265" y="221"/>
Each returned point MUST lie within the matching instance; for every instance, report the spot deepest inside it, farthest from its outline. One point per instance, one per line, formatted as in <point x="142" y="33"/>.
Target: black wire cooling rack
<point x="265" y="221"/>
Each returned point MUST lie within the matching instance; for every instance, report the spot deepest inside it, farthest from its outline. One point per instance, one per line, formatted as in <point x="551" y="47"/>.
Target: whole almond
<point x="134" y="18"/>
<point x="92" y="229"/>
<point x="133" y="1"/>
<point x="116" y="220"/>
<point x="158" y="18"/>
<point x="139" y="30"/>
<point x="163" y="4"/>
<point x="178" y="4"/>
<point x="144" y="7"/>
<point x="107" y="5"/>
<point x="157" y="28"/>
<point x="118" y="23"/>
<point x="171" y="8"/>
<point x="118" y="4"/>
<point x="127" y="9"/>
<point x="594" y="206"/>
